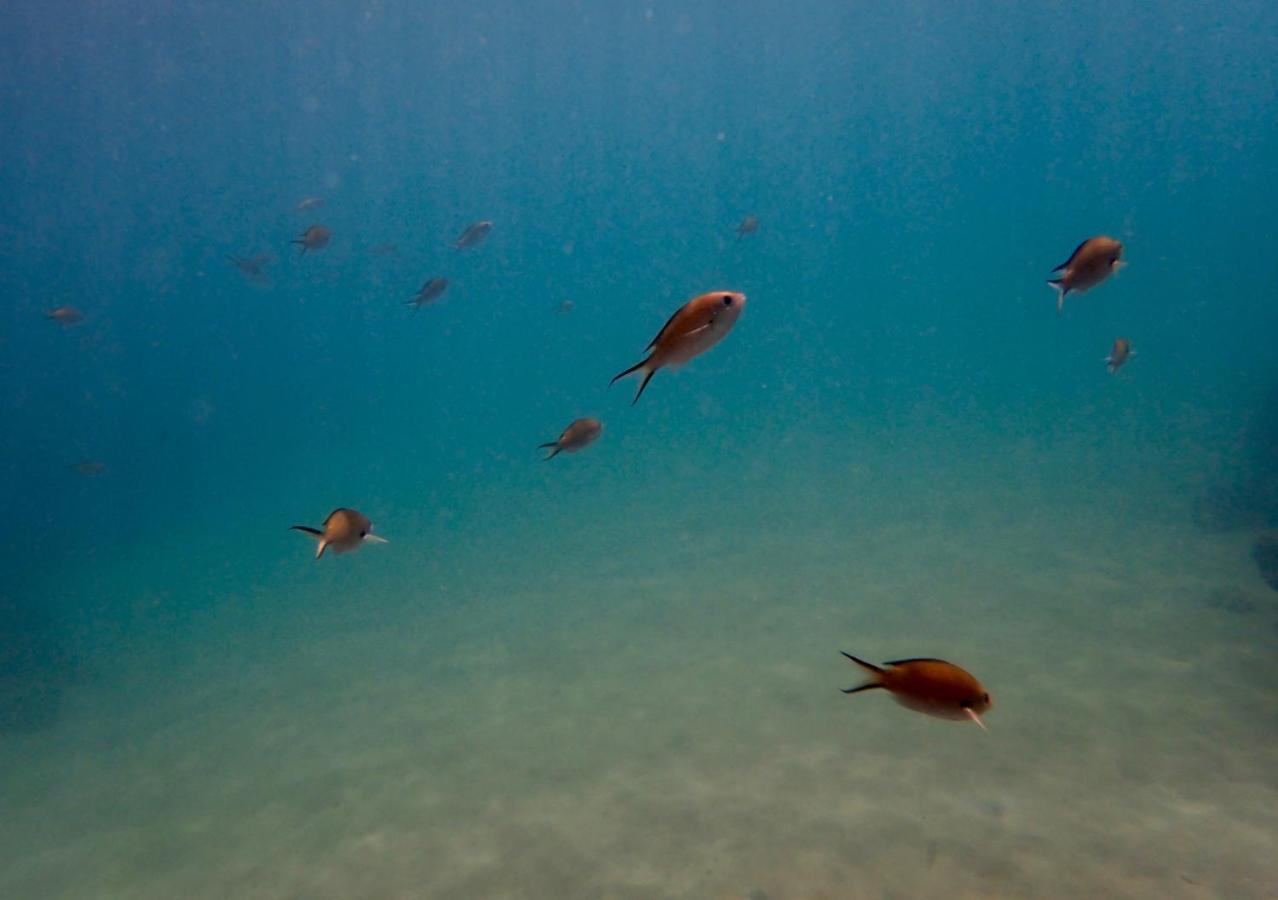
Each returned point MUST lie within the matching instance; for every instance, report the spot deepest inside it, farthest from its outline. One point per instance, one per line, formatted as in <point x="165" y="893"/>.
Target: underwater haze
<point x="616" y="673"/>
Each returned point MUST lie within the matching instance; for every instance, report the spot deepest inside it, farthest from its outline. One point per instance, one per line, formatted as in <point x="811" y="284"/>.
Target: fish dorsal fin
<point x="901" y="662"/>
<point x="1071" y="256"/>
<point x="665" y="328"/>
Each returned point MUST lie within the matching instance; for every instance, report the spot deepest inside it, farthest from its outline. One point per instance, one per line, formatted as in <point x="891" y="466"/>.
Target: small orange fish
<point x="431" y="291"/>
<point x="1092" y="262"/>
<point x="65" y="316"/>
<point x="314" y="238"/>
<point x="1120" y="354"/>
<point x="344" y="529"/>
<point x="930" y="686"/>
<point x="472" y="234"/>
<point x="577" y="436"/>
<point x="694" y="328"/>
<point x="749" y="225"/>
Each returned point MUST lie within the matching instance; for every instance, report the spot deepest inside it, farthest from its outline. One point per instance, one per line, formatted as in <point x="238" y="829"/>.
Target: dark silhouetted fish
<point x="472" y="234"/>
<point x="430" y="292"/>
<point x="253" y="268"/>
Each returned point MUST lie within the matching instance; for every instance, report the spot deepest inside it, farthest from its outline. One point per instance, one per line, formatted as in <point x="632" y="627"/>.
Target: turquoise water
<point x="616" y="674"/>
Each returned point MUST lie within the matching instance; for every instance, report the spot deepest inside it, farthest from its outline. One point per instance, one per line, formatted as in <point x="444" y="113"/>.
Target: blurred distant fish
<point x="384" y="249"/>
<point x="90" y="468"/>
<point x="1120" y="354"/>
<point x="577" y="436"/>
<point x="1092" y="261"/>
<point x="472" y="234"/>
<point x="309" y="203"/>
<point x="696" y="327"/>
<point x="933" y="687"/>
<point x="344" y="529"/>
<point x="431" y="291"/>
<point x="253" y="268"/>
<point x="314" y="238"/>
<point x="65" y="316"/>
<point x="565" y="306"/>
<point x="749" y="225"/>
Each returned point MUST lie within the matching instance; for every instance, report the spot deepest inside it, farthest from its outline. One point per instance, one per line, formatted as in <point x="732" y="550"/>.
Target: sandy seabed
<point x="631" y="711"/>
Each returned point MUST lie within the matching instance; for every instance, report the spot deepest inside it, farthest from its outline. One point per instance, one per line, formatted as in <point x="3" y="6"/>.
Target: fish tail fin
<point x="869" y="667"/>
<point x="315" y="533"/>
<point x="644" y="366"/>
<point x="553" y="447"/>
<point x="1058" y="285"/>
<point x="644" y="385"/>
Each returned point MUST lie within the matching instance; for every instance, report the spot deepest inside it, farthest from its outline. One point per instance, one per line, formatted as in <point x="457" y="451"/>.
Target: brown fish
<point x="694" y="328"/>
<point x="930" y="686"/>
<point x="1120" y="354"/>
<point x="472" y="234"/>
<point x="565" y="306"/>
<point x="431" y="291"/>
<point x="254" y="268"/>
<point x="1092" y="262"/>
<point x="344" y="529"/>
<point x="314" y="238"/>
<point x="749" y="225"/>
<point x="577" y="436"/>
<point x="65" y="316"/>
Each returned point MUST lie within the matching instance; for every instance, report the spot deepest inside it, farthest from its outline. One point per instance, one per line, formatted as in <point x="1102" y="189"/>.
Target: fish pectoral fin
<point x="376" y="539"/>
<point x="971" y="714"/>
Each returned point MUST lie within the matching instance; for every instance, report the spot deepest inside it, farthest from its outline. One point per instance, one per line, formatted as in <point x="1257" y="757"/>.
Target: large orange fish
<point x="344" y="529"/>
<point x="696" y="327"/>
<point x="930" y="686"/>
<point x="1092" y="262"/>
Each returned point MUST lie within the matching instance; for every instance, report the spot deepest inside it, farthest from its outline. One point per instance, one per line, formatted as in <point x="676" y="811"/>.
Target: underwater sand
<point x="519" y="699"/>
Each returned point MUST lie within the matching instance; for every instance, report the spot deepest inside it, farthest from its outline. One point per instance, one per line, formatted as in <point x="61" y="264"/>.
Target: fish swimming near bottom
<point x="1119" y="355"/>
<point x="343" y="530"/>
<point x="577" y="436"/>
<point x="933" y="687"/>
<point x="694" y="328"/>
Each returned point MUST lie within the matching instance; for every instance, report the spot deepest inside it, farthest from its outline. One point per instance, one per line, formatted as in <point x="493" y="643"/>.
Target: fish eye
<point x="727" y="299"/>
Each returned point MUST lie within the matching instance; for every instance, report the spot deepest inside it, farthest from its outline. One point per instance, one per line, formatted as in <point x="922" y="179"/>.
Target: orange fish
<point x="577" y="436"/>
<point x="1120" y="354"/>
<point x="696" y="327"/>
<point x="65" y="316"/>
<point x="472" y="234"/>
<point x="344" y="529"/>
<point x="749" y="225"/>
<point x="314" y="238"/>
<point x="1092" y="262"/>
<point x="930" y="686"/>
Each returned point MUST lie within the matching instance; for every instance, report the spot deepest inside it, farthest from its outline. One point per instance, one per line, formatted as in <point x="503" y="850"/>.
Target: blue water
<point x="900" y="450"/>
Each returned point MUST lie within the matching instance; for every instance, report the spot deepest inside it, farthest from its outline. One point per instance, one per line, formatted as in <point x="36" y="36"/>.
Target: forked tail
<point x="315" y="533"/>
<point x="869" y="667"/>
<point x="553" y="447"/>
<point x="641" y="366"/>
<point x="1058" y="284"/>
